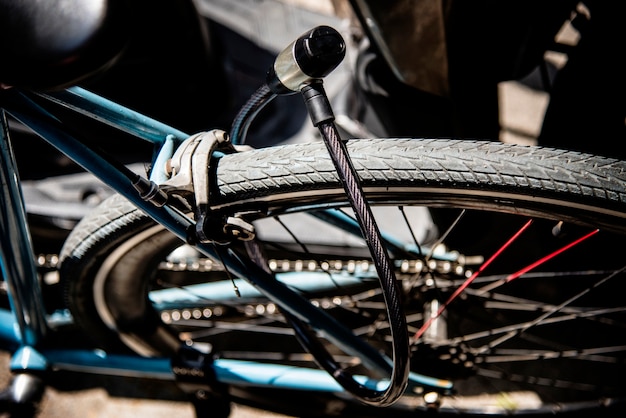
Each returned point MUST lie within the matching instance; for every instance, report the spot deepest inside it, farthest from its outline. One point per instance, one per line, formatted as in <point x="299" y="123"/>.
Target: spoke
<point x="529" y="276"/>
<point x="536" y="380"/>
<point x="591" y="354"/>
<point x="413" y="281"/>
<point x="537" y="263"/>
<point x="461" y="288"/>
<point x="364" y="330"/>
<point x="508" y="302"/>
<point x="550" y="256"/>
<point x="525" y="325"/>
<point x="445" y="234"/>
<point x="408" y="225"/>
<point x="304" y="248"/>
<point x="550" y="312"/>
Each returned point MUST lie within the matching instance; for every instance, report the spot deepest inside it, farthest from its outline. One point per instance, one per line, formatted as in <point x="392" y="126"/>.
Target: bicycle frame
<point x="23" y="327"/>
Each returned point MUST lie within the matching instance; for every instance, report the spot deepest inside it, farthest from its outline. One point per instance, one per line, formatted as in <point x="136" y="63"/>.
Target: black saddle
<point x="46" y="44"/>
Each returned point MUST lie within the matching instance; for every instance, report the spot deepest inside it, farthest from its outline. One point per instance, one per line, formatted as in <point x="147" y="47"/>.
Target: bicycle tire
<point x="551" y="185"/>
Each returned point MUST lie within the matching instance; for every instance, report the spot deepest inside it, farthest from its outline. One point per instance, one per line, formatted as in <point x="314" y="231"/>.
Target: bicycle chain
<point x="406" y="269"/>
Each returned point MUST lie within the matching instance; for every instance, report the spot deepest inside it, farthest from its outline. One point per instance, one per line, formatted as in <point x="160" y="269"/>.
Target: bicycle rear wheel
<point x="514" y="293"/>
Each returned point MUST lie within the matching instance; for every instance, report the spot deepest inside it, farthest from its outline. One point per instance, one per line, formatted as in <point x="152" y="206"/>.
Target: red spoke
<point x="461" y="288"/>
<point x="549" y="257"/>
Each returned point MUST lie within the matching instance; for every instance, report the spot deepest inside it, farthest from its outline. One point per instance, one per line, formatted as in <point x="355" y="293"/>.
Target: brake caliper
<point x="189" y="171"/>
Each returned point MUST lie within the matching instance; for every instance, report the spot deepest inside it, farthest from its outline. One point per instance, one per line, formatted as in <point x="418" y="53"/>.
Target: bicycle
<point x="186" y="273"/>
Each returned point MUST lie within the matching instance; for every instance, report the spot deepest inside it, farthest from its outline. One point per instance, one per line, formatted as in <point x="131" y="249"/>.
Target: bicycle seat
<point x="52" y="44"/>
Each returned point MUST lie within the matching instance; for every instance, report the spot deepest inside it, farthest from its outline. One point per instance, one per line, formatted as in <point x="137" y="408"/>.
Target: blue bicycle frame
<point x="23" y="327"/>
